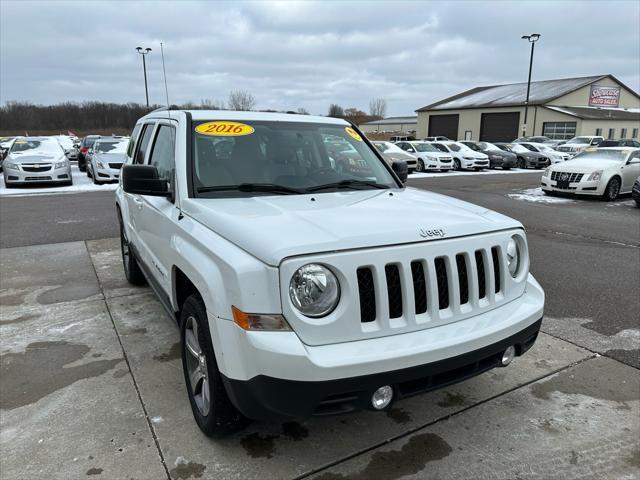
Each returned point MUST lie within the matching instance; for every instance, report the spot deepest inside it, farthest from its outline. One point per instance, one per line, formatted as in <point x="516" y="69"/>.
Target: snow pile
<point x="537" y="195"/>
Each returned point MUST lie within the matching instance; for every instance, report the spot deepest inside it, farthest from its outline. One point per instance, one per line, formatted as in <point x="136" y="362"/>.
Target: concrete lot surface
<point x="92" y="387"/>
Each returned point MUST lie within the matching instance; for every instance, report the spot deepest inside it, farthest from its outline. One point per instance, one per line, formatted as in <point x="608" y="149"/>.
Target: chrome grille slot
<point x="572" y="177"/>
<point x="463" y="281"/>
<point x="367" y="295"/>
<point x="443" y="283"/>
<point x="419" y="287"/>
<point x="394" y="290"/>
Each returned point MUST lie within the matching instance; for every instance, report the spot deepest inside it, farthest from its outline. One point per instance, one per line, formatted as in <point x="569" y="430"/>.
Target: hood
<point x="531" y="155"/>
<point x="586" y="165"/>
<point x="502" y="153"/>
<point x="35" y="158"/>
<point x="110" y="157"/>
<point x="272" y="228"/>
<point x="399" y="156"/>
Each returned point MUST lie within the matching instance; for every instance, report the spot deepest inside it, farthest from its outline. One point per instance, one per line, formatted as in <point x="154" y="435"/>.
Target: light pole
<point x="144" y="53"/>
<point x="533" y="38"/>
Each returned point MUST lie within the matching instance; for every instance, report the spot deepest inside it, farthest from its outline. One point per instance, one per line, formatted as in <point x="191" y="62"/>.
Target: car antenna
<point x="173" y="138"/>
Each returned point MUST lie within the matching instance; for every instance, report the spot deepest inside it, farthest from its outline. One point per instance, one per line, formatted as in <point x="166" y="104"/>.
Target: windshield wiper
<point x="254" y="187"/>
<point x="347" y="184"/>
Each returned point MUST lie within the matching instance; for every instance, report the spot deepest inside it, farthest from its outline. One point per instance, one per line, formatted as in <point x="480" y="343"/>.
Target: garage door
<point x="499" y="127"/>
<point x="446" y="125"/>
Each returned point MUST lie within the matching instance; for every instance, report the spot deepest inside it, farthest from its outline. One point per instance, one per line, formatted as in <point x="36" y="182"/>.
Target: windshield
<point x="581" y="140"/>
<point x="604" y="155"/>
<point x="489" y="146"/>
<point x="390" y="147"/>
<point x="294" y="156"/>
<point x="88" y="142"/>
<point x="381" y="146"/>
<point x="119" y="146"/>
<point x="473" y="146"/>
<point x="529" y="147"/>
<point x="41" y="145"/>
<point x="424" y="147"/>
<point x="519" y="148"/>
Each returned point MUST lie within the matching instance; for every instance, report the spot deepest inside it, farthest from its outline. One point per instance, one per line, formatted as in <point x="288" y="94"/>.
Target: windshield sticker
<point x="224" y="129"/>
<point x="20" y="142"/>
<point x="353" y="134"/>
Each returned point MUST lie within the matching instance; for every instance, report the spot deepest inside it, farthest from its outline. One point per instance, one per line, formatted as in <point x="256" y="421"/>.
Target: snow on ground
<point x="81" y="183"/>
<point x="538" y="196"/>
<point x="462" y="172"/>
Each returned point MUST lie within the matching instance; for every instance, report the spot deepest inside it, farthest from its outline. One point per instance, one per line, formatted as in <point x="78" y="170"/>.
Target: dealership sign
<point x="604" y="95"/>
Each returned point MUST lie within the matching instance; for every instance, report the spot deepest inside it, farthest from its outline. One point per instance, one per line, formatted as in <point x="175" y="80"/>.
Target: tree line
<point x="82" y="118"/>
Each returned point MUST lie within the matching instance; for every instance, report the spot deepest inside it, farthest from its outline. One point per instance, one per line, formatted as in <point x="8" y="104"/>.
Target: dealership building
<point x="559" y="109"/>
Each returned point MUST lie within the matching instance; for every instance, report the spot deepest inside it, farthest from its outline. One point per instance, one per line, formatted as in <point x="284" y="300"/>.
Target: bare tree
<point x="209" y="104"/>
<point x="378" y="108"/>
<point x="336" y="111"/>
<point x="241" y="100"/>
<point x="356" y="116"/>
<point x="303" y="111"/>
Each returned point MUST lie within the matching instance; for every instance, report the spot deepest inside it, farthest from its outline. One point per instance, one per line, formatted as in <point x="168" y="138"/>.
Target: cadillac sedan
<point x="604" y="172"/>
<point x="36" y="160"/>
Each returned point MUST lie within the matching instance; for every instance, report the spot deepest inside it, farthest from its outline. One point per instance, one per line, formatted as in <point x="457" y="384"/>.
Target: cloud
<point x="306" y="54"/>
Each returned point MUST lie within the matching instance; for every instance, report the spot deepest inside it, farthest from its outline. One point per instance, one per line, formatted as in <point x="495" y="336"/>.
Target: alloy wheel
<point x="197" y="367"/>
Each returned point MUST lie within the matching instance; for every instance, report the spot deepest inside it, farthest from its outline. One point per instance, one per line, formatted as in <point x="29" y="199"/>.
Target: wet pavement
<point x="91" y="386"/>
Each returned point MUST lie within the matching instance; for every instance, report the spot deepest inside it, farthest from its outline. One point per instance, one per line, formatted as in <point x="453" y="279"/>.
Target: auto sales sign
<point x="604" y="95"/>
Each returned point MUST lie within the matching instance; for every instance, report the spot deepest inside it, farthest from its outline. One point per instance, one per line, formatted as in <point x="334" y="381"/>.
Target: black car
<point x="525" y="158"/>
<point x="497" y="157"/>
<point x="85" y="146"/>
<point x="623" y="142"/>
<point x="635" y="192"/>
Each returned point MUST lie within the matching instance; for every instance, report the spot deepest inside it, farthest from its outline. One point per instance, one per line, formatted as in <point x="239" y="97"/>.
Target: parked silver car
<point x="106" y="159"/>
<point x="392" y="152"/>
<point x="36" y="160"/>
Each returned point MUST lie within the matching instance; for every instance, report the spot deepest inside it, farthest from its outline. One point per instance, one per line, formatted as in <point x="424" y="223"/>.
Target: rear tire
<point x="612" y="190"/>
<point x="212" y="409"/>
<point x="132" y="270"/>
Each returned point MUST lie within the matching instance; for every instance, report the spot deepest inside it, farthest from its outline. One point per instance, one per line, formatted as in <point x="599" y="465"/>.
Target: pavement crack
<point x="438" y="420"/>
<point x="133" y="378"/>
<point x="583" y="237"/>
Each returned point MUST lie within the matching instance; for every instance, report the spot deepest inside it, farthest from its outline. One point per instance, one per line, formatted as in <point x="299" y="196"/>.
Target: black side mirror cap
<point x="143" y="180"/>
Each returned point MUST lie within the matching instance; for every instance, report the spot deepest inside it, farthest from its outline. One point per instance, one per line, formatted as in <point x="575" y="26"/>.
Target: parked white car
<point x="553" y="155"/>
<point x="36" y="160"/>
<point x="391" y="152"/>
<point x="605" y="172"/>
<point x="429" y="158"/>
<point x="464" y="158"/>
<point x="578" y="144"/>
<point x="306" y="286"/>
<point x="106" y="159"/>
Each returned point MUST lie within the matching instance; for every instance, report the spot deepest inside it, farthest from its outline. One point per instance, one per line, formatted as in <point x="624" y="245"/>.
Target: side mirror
<point x="143" y="180"/>
<point x="401" y="170"/>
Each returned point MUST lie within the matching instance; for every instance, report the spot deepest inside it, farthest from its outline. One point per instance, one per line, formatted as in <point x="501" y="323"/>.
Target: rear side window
<point x="163" y="152"/>
<point x="143" y="145"/>
<point x="132" y="141"/>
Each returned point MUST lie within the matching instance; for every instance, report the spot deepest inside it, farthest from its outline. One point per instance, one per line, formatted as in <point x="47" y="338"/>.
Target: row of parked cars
<point x="46" y="159"/>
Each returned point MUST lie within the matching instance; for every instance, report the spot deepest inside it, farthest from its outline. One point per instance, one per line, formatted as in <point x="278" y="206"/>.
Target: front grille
<point x="572" y="177"/>
<point x="366" y="291"/>
<point x="468" y="271"/>
<point x="33" y="168"/>
<point x="36" y="179"/>
<point x="117" y="166"/>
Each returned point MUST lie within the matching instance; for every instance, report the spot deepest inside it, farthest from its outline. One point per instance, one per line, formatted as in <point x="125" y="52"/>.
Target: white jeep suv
<point x="310" y="285"/>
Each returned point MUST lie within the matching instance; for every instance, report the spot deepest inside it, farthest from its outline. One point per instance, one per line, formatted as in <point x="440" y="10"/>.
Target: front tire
<point x="212" y="409"/>
<point x="132" y="270"/>
<point x="420" y="166"/>
<point x="456" y="164"/>
<point x="522" y="163"/>
<point x="612" y="190"/>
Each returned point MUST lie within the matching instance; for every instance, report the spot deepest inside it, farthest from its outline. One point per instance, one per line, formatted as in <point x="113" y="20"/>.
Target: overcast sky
<point x="291" y="55"/>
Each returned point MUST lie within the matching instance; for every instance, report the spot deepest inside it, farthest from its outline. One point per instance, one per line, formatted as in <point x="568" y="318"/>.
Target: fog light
<point x="382" y="397"/>
<point x="508" y="355"/>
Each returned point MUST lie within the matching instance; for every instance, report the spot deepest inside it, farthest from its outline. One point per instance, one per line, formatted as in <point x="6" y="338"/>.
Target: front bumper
<point x="583" y="187"/>
<point x="274" y="375"/>
<point x="465" y="163"/>
<point x="51" y="175"/>
<point x="107" y="174"/>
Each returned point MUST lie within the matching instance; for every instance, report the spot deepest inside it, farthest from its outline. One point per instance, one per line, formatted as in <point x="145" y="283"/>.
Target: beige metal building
<point x="559" y="109"/>
<point x="392" y="124"/>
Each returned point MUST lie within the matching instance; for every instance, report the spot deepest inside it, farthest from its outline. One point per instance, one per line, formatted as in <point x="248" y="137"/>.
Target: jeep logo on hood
<point x="436" y="232"/>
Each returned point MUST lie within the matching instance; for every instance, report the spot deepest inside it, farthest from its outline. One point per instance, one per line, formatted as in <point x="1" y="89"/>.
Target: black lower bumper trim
<point x="269" y="398"/>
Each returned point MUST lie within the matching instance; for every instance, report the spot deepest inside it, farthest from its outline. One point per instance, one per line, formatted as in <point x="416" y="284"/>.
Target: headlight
<point x="314" y="290"/>
<point x="513" y="256"/>
<point x="595" y="175"/>
<point x="62" y="164"/>
<point x="100" y="165"/>
<point x="547" y="172"/>
<point x="11" y="166"/>
<point x="468" y="158"/>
